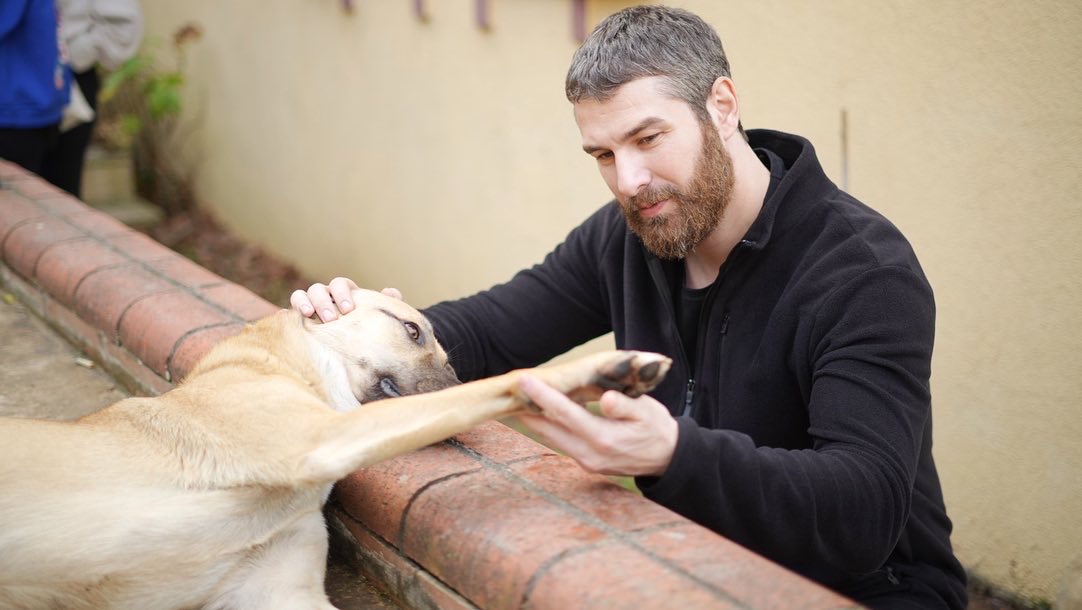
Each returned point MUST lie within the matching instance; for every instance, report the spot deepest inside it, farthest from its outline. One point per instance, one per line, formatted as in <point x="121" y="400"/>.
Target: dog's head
<point x="382" y="349"/>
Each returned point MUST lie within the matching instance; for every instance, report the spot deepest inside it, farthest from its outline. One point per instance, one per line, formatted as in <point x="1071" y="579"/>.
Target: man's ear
<point x="724" y="107"/>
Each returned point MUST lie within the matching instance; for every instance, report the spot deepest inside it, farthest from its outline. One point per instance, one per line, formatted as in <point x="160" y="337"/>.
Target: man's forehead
<point x="638" y="104"/>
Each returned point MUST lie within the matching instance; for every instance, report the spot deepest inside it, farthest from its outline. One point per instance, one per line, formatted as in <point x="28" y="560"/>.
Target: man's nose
<point x="632" y="176"/>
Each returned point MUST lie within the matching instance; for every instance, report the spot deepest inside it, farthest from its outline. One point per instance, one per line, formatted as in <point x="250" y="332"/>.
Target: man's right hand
<point x="331" y="299"/>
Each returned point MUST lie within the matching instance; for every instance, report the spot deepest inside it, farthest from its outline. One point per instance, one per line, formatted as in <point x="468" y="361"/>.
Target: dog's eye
<point x="414" y="332"/>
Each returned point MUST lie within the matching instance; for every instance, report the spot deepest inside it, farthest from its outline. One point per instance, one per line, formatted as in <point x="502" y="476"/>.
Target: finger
<point x="341" y="289"/>
<point x="554" y="435"/>
<point x="558" y="407"/>
<point x="617" y="405"/>
<point x="299" y="300"/>
<point x="393" y="292"/>
<point x="322" y="303"/>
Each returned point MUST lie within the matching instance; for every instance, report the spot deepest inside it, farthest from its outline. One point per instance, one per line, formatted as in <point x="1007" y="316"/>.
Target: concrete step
<point x="133" y="211"/>
<point x="107" y="175"/>
<point x="108" y="185"/>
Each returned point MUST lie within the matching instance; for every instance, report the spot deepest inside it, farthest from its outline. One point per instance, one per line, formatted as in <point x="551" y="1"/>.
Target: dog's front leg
<point x="384" y="429"/>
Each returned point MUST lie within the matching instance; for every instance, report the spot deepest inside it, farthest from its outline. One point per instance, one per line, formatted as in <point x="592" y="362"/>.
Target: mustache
<point x="652" y="195"/>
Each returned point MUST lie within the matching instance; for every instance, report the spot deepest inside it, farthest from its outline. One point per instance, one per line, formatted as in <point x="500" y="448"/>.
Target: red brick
<point x="12" y="171"/>
<point x="485" y="535"/>
<point x="140" y="247"/>
<point x="196" y="345"/>
<point x="16" y="210"/>
<point x="378" y="548"/>
<point x="750" y="579"/>
<point x="439" y="594"/>
<point x="378" y="495"/>
<point x="613" y="576"/>
<point x="62" y="267"/>
<point x="501" y="444"/>
<point x="153" y="326"/>
<point x="118" y="361"/>
<point x="183" y="271"/>
<point x="102" y="347"/>
<point x="98" y="223"/>
<point x="103" y="296"/>
<point x="38" y="189"/>
<point x="64" y="204"/>
<point x="400" y="578"/>
<point x="595" y="495"/>
<point x="28" y="241"/>
<point x="239" y="300"/>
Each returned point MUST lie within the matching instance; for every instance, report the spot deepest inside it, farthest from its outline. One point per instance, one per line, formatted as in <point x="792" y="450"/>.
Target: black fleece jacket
<point x="805" y="430"/>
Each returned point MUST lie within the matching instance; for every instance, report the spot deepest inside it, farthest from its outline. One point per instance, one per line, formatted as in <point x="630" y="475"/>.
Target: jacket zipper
<point x="704" y="316"/>
<point x="662" y="285"/>
<point x="689" y="396"/>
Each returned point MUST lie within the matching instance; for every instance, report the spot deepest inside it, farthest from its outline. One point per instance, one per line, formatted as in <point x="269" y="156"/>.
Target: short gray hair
<point x="643" y="41"/>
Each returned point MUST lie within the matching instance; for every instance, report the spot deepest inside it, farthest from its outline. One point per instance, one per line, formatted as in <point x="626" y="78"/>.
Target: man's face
<point x="669" y="171"/>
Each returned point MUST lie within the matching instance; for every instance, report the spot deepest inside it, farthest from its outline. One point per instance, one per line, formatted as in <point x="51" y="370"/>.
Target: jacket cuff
<point x="665" y="487"/>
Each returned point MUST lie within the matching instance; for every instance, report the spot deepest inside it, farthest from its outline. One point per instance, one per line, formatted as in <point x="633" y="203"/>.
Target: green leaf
<point x="131" y="124"/>
<point x="127" y="72"/>
<point x="163" y="101"/>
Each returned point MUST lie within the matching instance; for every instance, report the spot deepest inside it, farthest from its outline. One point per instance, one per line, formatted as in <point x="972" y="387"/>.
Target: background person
<point x="95" y="33"/>
<point x="34" y="82"/>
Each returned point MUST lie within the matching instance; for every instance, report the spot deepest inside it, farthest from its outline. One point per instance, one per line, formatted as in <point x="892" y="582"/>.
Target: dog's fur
<point x="209" y="496"/>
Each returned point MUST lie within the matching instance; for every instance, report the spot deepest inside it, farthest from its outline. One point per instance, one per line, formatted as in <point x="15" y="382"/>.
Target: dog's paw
<point x="633" y="373"/>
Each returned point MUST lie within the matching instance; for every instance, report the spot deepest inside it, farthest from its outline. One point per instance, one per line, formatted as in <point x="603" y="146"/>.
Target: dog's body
<point x="210" y="495"/>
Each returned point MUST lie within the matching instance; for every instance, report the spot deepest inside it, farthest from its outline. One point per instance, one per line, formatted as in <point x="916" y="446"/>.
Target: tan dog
<point x="209" y="496"/>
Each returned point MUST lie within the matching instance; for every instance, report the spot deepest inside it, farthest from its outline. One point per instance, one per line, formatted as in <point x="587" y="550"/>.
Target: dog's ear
<point x="299" y="319"/>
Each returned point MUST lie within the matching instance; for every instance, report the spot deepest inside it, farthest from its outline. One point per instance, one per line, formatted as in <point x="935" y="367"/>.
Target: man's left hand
<point x="636" y="436"/>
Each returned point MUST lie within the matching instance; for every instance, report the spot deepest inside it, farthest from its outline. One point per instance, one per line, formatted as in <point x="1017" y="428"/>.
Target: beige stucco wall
<point x="440" y="158"/>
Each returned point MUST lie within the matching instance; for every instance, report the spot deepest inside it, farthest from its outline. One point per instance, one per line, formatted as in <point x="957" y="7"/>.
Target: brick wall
<point x="488" y="519"/>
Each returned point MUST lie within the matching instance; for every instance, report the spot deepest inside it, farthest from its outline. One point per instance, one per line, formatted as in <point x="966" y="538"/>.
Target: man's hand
<point x="636" y="436"/>
<point x="331" y="299"/>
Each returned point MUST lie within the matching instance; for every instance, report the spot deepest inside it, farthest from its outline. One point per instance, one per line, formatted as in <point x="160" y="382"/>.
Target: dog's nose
<point x="438" y="382"/>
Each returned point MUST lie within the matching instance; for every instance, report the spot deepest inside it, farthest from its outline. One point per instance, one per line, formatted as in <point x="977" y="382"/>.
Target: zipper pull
<point x="688" y="397"/>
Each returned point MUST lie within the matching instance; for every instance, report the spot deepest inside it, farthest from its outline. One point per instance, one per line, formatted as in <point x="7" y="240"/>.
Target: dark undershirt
<point x="689" y="301"/>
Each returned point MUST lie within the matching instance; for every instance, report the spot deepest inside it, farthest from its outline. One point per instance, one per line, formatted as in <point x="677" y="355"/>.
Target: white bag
<point x="78" y="110"/>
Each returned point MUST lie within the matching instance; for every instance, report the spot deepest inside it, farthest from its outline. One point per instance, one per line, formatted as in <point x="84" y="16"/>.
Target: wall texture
<point x="440" y="157"/>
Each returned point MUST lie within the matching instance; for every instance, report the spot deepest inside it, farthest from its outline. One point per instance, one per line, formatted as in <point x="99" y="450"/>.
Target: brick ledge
<point x="489" y="519"/>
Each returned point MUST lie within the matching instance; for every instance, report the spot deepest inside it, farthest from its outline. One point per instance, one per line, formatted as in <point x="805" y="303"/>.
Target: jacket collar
<point x="796" y="180"/>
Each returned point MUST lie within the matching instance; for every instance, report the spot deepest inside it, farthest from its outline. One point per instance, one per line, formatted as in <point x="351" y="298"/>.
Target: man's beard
<point x="696" y="212"/>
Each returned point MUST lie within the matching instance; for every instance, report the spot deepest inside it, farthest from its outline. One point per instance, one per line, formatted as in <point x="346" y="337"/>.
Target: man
<point x="796" y="418"/>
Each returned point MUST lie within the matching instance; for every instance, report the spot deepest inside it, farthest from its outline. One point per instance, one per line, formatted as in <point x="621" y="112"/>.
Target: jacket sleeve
<point x="101" y="31"/>
<point x="841" y="505"/>
<point x="537" y="315"/>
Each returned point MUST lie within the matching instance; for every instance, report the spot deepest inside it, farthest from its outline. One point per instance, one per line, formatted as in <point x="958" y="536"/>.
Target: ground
<point x="200" y="237"/>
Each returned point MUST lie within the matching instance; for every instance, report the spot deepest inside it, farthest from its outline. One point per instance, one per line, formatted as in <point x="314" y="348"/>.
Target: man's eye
<point x="649" y="139"/>
<point x="603" y="157"/>
<point x="414" y="331"/>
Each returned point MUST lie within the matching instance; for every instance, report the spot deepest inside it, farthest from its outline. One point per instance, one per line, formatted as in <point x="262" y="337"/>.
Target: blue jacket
<point x="805" y="419"/>
<point x="34" y="80"/>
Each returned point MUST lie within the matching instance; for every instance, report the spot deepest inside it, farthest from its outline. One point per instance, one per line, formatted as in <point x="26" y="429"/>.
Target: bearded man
<point x="796" y="419"/>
